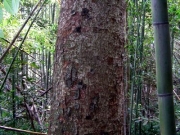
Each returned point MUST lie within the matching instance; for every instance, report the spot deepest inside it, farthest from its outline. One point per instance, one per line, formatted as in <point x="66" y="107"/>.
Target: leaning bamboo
<point x="163" y="67"/>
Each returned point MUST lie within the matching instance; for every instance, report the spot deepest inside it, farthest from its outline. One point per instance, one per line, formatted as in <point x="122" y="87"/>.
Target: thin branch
<point x="17" y="47"/>
<point x="20" y="130"/>
<point x="31" y="70"/>
<point x="24" y="52"/>
<point x="46" y="91"/>
<point x="5" y="40"/>
<point x="20" y="49"/>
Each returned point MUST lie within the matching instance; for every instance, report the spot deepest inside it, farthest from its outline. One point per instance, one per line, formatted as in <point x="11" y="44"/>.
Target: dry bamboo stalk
<point x="20" y="130"/>
<point x="176" y="95"/>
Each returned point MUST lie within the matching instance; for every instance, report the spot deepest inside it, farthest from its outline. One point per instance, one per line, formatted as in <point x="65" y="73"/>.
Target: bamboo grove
<point x="26" y="67"/>
<point x="141" y="53"/>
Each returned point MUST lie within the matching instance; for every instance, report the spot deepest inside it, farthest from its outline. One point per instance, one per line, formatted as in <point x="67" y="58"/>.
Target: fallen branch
<point x="20" y="130"/>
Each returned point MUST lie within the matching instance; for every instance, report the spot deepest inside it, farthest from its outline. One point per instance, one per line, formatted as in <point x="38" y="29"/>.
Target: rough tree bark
<point x="88" y="84"/>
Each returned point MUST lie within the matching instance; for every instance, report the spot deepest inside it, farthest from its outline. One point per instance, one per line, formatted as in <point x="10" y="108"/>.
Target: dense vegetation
<point x="26" y="70"/>
<point x="26" y="67"/>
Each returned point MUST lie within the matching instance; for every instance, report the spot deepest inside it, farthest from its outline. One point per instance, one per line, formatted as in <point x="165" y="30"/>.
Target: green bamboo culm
<point x="163" y="67"/>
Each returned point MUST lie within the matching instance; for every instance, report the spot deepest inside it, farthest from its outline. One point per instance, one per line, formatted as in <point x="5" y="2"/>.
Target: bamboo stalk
<point x="21" y="130"/>
<point x="163" y="67"/>
<point x="133" y="73"/>
<point x="13" y="95"/>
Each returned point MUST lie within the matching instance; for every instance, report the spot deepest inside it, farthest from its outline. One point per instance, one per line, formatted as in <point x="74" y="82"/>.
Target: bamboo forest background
<point x="26" y="66"/>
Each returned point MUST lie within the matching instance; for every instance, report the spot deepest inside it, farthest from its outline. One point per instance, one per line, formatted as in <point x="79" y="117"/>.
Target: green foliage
<point x="34" y="65"/>
<point x="174" y="16"/>
<point x="10" y="6"/>
<point x="149" y="126"/>
<point x="28" y="75"/>
<point x="145" y="70"/>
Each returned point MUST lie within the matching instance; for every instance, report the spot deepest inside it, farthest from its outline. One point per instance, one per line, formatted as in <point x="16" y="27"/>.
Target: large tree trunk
<point x="88" y="84"/>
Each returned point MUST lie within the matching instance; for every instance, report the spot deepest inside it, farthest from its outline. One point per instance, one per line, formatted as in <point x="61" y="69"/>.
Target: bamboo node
<point x="159" y="23"/>
<point x="165" y="95"/>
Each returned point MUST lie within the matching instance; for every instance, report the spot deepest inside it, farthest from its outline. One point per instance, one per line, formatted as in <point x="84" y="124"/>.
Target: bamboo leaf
<point x="8" y="6"/>
<point x="145" y="123"/>
<point x="15" y="5"/>
<point x="1" y="34"/>
<point x="1" y="15"/>
<point x="33" y="65"/>
<point x="11" y="6"/>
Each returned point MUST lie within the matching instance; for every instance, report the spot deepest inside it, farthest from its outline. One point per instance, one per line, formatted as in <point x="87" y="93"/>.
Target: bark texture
<point x="88" y="86"/>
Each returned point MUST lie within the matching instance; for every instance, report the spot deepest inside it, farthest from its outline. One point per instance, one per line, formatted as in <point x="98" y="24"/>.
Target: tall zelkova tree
<point x="163" y="67"/>
<point x="88" y="84"/>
